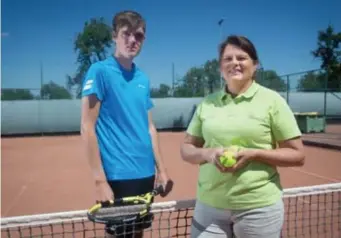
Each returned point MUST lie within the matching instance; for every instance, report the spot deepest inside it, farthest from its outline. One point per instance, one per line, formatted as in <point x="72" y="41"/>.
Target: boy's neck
<point x="124" y="62"/>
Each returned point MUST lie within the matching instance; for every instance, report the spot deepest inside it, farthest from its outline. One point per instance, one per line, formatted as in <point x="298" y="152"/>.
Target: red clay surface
<point x="50" y="174"/>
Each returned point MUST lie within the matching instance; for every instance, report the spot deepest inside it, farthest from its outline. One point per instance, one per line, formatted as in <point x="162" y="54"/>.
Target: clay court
<point x="50" y="174"/>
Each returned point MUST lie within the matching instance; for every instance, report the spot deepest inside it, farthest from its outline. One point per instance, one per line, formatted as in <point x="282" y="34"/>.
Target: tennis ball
<point x="228" y="159"/>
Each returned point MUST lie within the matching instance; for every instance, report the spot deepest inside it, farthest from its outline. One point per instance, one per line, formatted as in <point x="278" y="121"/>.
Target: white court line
<point x="19" y="195"/>
<point x="15" y="199"/>
<point x="315" y="175"/>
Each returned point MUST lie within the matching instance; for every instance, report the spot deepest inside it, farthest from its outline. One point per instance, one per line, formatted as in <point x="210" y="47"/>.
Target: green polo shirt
<point x="255" y="119"/>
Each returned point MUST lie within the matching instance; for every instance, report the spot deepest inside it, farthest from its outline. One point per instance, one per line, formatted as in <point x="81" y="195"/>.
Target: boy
<point x="116" y="123"/>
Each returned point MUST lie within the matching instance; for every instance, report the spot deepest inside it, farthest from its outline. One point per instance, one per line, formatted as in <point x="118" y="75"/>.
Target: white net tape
<point x="309" y="210"/>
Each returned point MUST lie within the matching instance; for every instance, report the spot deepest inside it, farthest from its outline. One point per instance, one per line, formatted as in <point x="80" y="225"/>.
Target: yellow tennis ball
<point x="228" y="159"/>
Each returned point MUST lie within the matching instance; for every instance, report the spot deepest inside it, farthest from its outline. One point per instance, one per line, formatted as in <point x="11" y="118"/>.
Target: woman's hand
<point x="242" y="157"/>
<point x="290" y="153"/>
<point x="212" y="156"/>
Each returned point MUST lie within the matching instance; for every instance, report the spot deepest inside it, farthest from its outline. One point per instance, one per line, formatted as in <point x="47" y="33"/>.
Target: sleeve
<point x="195" y="126"/>
<point x="93" y="82"/>
<point x="283" y="122"/>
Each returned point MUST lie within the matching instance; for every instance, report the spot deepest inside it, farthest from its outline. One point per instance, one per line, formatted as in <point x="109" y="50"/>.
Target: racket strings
<point x="117" y="212"/>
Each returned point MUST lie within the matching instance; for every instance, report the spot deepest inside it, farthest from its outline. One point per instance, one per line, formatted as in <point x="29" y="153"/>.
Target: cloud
<point x="4" y="34"/>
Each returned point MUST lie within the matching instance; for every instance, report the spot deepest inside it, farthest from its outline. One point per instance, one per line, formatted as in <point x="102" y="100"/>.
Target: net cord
<point x="168" y="206"/>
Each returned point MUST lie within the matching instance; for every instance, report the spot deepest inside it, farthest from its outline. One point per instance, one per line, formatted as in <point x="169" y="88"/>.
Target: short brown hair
<point x="243" y="43"/>
<point x="131" y="19"/>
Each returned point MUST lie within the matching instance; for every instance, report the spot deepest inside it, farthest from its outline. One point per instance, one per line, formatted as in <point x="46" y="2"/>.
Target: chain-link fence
<point x="54" y="108"/>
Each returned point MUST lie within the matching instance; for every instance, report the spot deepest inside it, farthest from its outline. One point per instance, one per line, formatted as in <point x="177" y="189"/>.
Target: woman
<point x="244" y="200"/>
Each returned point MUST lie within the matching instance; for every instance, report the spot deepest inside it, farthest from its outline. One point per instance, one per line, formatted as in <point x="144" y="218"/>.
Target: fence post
<point x="288" y="88"/>
<point x="325" y="95"/>
<point x="40" y="101"/>
<point x="173" y="79"/>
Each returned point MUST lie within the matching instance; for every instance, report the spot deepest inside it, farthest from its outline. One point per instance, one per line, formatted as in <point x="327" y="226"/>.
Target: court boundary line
<point x="316" y="175"/>
<point x="14" y="201"/>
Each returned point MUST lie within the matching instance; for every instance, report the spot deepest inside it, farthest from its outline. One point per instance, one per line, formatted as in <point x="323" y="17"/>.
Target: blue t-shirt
<point x="122" y="126"/>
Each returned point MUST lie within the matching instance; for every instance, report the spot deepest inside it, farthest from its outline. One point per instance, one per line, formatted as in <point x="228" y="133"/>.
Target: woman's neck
<point x="236" y="89"/>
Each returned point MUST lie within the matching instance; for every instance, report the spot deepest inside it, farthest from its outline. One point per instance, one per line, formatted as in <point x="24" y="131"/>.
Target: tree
<point x="270" y="79"/>
<point x="192" y="84"/>
<point x="54" y="91"/>
<point x="91" y="45"/>
<point x="161" y="92"/>
<point x="312" y="82"/>
<point x="16" y="94"/>
<point x="212" y="74"/>
<point x="329" y="52"/>
<point x="199" y="81"/>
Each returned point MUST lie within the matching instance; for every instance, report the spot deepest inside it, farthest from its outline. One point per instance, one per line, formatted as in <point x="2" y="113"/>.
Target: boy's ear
<point x="114" y="35"/>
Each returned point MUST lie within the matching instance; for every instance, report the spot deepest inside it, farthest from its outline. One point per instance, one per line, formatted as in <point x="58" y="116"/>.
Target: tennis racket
<point x="123" y="210"/>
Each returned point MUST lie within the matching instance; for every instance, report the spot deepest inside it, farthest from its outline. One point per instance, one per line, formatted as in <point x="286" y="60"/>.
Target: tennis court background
<point x="51" y="173"/>
<point x="41" y="114"/>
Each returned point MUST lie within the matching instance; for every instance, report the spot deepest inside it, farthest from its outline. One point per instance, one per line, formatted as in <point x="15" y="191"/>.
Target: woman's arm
<point x="192" y="151"/>
<point x="289" y="153"/>
<point x="287" y="134"/>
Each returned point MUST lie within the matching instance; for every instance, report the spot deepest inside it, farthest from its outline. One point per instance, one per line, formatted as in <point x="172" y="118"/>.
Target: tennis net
<point x="313" y="211"/>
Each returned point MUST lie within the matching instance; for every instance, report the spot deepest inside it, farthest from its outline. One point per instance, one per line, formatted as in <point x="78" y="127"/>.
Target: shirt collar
<point x="250" y="92"/>
<point x="120" y="67"/>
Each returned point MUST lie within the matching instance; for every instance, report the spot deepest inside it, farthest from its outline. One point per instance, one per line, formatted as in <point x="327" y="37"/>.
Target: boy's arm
<point x="160" y="166"/>
<point x="90" y="111"/>
<point x="93" y="93"/>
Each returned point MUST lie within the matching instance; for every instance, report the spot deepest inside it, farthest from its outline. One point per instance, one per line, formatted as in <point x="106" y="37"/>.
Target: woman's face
<point x="236" y="65"/>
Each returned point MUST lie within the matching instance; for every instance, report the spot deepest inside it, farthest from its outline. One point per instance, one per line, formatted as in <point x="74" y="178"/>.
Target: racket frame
<point x="144" y="199"/>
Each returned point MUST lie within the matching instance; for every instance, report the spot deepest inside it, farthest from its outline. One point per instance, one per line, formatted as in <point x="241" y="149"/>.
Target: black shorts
<point x="133" y="187"/>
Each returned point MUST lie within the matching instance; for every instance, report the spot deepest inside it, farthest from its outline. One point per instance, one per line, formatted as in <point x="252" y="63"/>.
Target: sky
<point x="185" y="33"/>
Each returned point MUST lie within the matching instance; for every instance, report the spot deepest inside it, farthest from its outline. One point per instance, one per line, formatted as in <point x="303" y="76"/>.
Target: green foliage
<point x="95" y="39"/>
<point x="270" y="79"/>
<point x="16" y="94"/>
<point x="212" y="74"/>
<point x="200" y="81"/>
<point x="162" y="92"/>
<point x="329" y="52"/>
<point x="194" y="81"/>
<point x="91" y="45"/>
<point x="54" y="91"/>
<point x="312" y="82"/>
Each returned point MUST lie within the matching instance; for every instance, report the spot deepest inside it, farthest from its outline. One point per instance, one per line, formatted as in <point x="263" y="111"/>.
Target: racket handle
<point x="106" y="203"/>
<point x="159" y="189"/>
<point x="109" y="203"/>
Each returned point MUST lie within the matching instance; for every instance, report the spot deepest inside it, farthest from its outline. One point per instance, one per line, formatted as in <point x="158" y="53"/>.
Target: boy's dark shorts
<point x="133" y="187"/>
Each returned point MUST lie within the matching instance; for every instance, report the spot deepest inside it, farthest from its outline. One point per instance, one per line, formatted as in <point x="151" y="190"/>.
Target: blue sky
<point x="183" y="32"/>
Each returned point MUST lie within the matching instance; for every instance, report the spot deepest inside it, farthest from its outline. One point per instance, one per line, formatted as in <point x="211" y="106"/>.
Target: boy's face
<point x="129" y="42"/>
